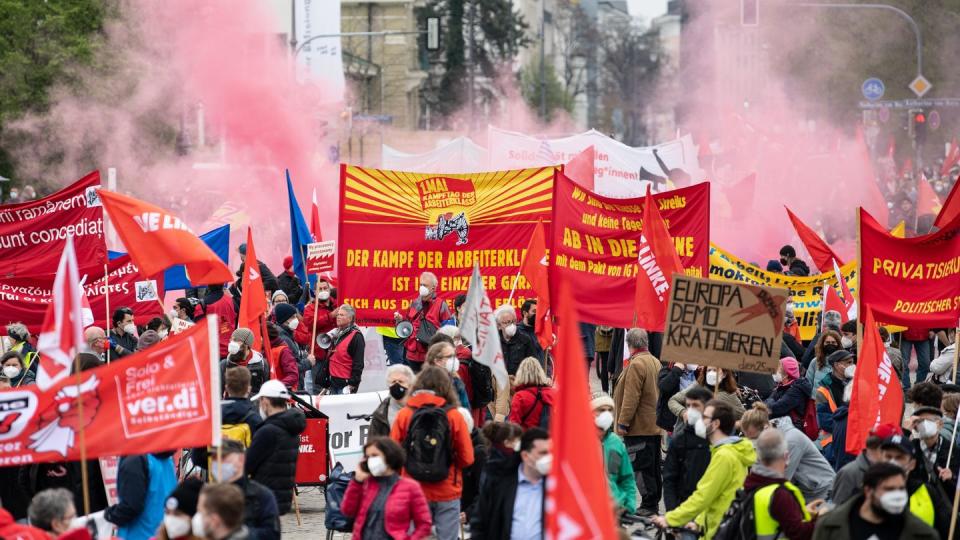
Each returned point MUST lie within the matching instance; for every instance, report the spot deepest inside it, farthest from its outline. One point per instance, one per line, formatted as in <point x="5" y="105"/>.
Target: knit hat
<point x="147" y="339"/>
<point x="832" y="320"/>
<point x="600" y="399"/>
<point x="185" y="496"/>
<point x="287" y="262"/>
<point x="774" y="265"/>
<point x="790" y="367"/>
<point x="242" y="248"/>
<point x="243" y="335"/>
<point x="281" y="292"/>
<point x="839" y="356"/>
<point x="283" y="312"/>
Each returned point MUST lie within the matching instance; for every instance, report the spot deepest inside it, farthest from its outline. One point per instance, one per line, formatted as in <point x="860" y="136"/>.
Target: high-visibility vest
<point x="921" y="505"/>
<point x="824" y="391"/>
<point x="767" y="527"/>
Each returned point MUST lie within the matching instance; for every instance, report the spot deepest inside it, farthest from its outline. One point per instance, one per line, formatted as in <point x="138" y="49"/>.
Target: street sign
<point x="920" y="86"/>
<point x="934" y="120"/>
<point x="872" y="89"/>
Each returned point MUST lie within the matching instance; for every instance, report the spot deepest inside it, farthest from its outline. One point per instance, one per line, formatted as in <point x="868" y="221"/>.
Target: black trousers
<point x="647" y="467"/>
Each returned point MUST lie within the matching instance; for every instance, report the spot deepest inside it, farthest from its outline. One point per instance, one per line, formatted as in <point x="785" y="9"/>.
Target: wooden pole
<point x="296" y="507"/>
<point x="316" y="306"/>
<point x="84" y="475"/>
<point x="956" y="499"/>
<point x="106" y="296"/>
<point x="513" y="289"/>
<point x="955" y="421"/>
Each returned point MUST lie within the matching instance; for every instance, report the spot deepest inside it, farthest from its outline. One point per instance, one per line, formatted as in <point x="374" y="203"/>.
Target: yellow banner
<point x="805" y="292"/>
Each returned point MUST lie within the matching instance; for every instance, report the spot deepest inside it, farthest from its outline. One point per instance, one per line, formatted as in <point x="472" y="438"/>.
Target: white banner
<point x="348" y="430"/>
<point x="321" y="57"/>
<point x="618" y="166"/>
<point x="461" y="155"/>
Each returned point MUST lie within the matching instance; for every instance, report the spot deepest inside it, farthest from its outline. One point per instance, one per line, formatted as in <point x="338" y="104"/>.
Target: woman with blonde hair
<point x="533" y="399"/>
<point x="754" y="421"/>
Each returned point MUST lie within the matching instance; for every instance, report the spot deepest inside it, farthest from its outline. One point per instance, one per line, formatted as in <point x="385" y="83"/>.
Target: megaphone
<point x="403" y="329"/>
<point x="324" y="341"/>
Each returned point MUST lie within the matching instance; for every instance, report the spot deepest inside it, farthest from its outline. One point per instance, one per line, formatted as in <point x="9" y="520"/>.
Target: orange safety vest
<point x="825" y="392"/>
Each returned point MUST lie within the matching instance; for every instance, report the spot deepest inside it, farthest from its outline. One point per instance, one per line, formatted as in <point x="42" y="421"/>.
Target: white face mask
<point x="711" y="378"/>
<point x="510" y="330"/>
<point x="894" y="501"/>
<point x="376" y="465"/>
<point x="424" y="291"/>
<point x="604" y="420"/>
<point x="11" y="372"/>
<point x="849" y="371"/>
<point x="162" y="334"/>
<point x="692" y="367"/>
<point x="693" y="415"/>
<point x="544" y="464"/>
<point x="846" y="342"/>
<point x="222" y="471"/>
<point x="700" y="428"/>
<point x="130" y="328"/>
<point x="233" y="347"/>
<point x="927" y="428"/>
<point x="323" y="296"/>
<point x="176" y="526"/>
<point x="196" y="525"/>
<point x="452" y="365"/>
<point x="777" y="377"/>
<point x="293" y="323"/>
<point x="515" y="446"/>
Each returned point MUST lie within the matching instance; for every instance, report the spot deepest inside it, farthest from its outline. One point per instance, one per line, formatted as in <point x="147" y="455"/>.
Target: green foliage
<point x="557" y="98"/>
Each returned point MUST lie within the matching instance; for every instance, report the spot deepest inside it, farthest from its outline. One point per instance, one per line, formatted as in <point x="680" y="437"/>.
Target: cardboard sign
<point x="178" y="325"/>
<point x="108" y="471"/>
<point x="320" y="256"/>
<point x="729" y="325"/>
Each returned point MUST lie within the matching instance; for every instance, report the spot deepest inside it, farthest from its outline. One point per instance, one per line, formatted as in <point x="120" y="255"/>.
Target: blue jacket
<point x="143" y="485"/>
<point x="840" y="455"/>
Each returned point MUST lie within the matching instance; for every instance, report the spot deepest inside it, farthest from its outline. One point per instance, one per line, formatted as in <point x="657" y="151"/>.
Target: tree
<point x="41" y="45"/>
<point x="556" y="96"/>
<point x="630" y="63"/>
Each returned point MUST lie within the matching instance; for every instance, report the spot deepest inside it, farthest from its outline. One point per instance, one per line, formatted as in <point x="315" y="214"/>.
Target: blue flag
<point x="175" y="277"/>
<point x="300" y="236"/>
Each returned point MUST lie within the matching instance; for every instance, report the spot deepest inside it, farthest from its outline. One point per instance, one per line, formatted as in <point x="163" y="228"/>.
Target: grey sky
<point x="647" y="9"/>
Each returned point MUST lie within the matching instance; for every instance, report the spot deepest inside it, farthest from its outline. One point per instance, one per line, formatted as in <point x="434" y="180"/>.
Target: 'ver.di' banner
<point x="596" y="239"/>
<point x="163" y="398"/>
<point x="396" y="225"/>
<point x="910" y="281"/>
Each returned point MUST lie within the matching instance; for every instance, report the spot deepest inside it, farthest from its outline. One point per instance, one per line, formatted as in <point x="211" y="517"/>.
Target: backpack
<point x="739" y="521"/>
<point x="428" y="444"/>
<point x="240" y="431"/>
<point x="481" y="378"/>
<point x="810" y="425"/>
<point x="545" y="410"/>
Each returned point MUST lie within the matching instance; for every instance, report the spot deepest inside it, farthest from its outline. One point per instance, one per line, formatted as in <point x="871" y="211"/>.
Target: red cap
<point x="287" y="262"/>
<point x="886" y="430"/>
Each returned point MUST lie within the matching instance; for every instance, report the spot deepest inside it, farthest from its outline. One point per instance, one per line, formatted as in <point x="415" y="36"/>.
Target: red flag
<point x="833" y="302"/>
<point x="658" y="260"/>
<point x="580" y="168"/>
<point x="61" y="336"/>
<point x="253" y="302"/>
<point x="951" y="208"/>
<point x="821" y="253"/>
<point x="315" y="219"/>
<point x="534" y="268"/>
<point x="157" y="240"/>
<point x="952" y="158"/>
<point x="848" y="300"/>
<point x="578" y="498"/>
<point x="877" y="395"/>
<point x="927" y="200"/>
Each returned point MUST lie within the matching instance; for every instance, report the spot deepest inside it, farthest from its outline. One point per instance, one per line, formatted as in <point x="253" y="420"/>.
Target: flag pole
<point x="106" y="295"/>
<point x="953" y="437"/>
<point x="84" y="476"/>
<point x="956" y="499"/>
<point x="316" y="306"/>
<point x="513" y="289"/>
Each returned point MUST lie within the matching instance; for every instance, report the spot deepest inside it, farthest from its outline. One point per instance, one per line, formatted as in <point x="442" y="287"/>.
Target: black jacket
<point x="290" y="284"/>
<point x="921" y="473"/>
<point x="260" y="513"/>
<point x="493" y="516"/>
<point x="668" y="383"/>
<point x="794" y="347"/>
<point x="530" y="332"/>
<point x="273" y="452"/>
<point x="687" y="459"/>
<point x="126" y="342"/>
<point x="798" y="268"/>
<point x="237" y="410"/>
<point x="380" y="420"/>
<point x="514" y="351"/>
<point x="473" y="473"/>
<point x="791" y="400"/>
<point x="269" y="280"/>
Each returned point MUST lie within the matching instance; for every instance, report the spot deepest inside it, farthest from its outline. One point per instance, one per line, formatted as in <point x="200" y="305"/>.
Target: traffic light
<point x="920" y="127"/>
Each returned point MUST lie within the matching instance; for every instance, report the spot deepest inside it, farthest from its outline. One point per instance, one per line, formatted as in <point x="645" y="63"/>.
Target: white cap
<point x="272" y="389"/>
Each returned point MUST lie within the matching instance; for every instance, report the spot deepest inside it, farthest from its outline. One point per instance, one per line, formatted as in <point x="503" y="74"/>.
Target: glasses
<point x="705" y="417"/>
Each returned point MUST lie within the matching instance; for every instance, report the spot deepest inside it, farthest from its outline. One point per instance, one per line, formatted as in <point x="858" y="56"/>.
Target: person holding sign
<point x="426" y="313"/>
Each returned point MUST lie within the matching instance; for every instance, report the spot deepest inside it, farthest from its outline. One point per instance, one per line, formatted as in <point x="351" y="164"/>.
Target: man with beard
<point x="241" y="353"/>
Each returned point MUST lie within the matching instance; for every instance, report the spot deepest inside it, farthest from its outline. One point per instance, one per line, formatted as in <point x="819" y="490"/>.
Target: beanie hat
<point x="831" y="320"/>
<point x="849" y="326"/>
<point x="284" y="312"/>
<point x="148" y="338"/>
<point x="185" y="496"/>
<point x="243" y="335"/>
<point x="281" y="292"/>
<point x="838" y="356"/>
<point x="774" y="266"/>
<point x="600" y="399"/>
<point x="790" y="367"/>
<point x="287" y="262"/>
<point x="242" y="248"/>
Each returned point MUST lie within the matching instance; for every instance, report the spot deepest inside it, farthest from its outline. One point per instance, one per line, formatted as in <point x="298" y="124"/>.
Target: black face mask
<point x="830" y="349"/>
<point x="397" y="391"/>
<point x="531" y="320"/>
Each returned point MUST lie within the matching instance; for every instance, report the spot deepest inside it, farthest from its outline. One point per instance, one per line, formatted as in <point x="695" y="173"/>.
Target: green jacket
<point x="616" y="460"/>
<point x="729" y="463"/>
<point x="835" y="525"/>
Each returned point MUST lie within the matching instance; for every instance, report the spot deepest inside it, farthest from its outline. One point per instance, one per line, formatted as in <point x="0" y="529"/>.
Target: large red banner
<point x="596" y="239"/>
<point x="396" y="225"/>
<point x="32" y="234"/>
<point x="910" y="281"/>
<point x="25" y="300"/>
<point x="163" y="398"/>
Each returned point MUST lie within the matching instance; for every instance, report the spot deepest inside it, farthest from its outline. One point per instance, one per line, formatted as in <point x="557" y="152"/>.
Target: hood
<point x="804" y="384"/>
<point x="755" y="480"/>
<point x="292" y="421"/>
<point x="500" y="461"/>
<point x="425" y="398"/>
<point x="234" y="409"/>
<point x="741" y="448"/>
<point x="546" y="393"/>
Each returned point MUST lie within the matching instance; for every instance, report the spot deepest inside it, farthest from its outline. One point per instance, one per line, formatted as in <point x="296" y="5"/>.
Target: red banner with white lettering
<point x="910" y="281"/>
<point x="32" y="234"/>
<point x="596" y="245"/>
<point x="26" y="299"/>
<point x="396" y="225"/>
<point x="163" y="398"/>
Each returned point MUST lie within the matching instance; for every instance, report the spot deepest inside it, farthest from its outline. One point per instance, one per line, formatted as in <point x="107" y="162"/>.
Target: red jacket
<point x="227" y="319"/>
<point x="916" y="334"/>
<point x="11" y="530"/>
<point x="451" y="488"/>
<point x="525" y="409"/>
<point x="405" y="504"/>
<point x="283" y="365"/>
<point x="325" y="323"/>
